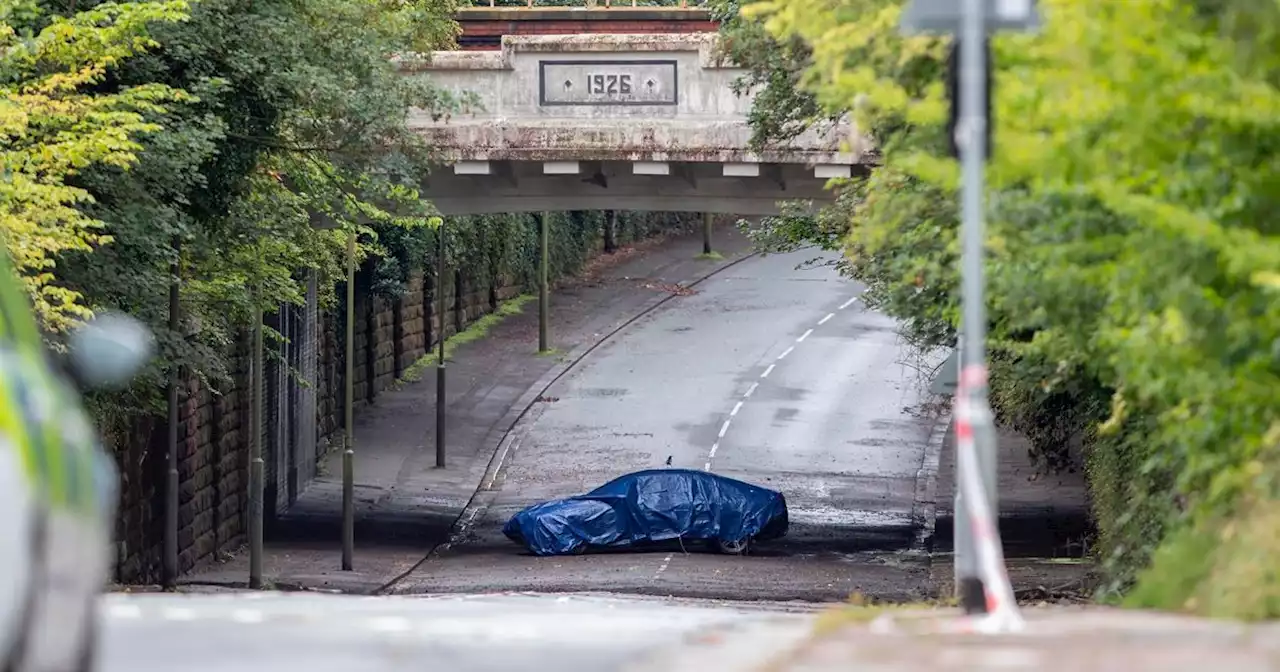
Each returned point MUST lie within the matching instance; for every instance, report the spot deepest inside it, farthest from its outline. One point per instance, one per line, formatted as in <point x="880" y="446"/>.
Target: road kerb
<point x="924" y="510"/>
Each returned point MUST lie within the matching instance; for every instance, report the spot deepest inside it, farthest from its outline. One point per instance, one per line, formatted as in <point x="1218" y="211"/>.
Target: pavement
<point x="1044" y="523"/>
<point x="405" y="506"/>
<point x="242" y="632"/>
<point x="766" y="373"/>
<point x="246" y="631"/>
<point x="1066" y="639"/>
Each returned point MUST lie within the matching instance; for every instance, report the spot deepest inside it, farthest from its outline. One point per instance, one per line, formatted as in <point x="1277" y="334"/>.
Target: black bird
<point x="668" y="460"/>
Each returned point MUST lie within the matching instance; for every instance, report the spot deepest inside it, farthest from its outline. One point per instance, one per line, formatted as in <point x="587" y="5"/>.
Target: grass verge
<point x="860" y="610"/>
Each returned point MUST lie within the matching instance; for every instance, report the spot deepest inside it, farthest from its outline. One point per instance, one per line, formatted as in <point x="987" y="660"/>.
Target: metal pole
<point x="170" y="567"/>
<point x="348" y="433"/>
<point x="544" y="289"/>
<point x="255" y="450"/>
<point x="706" y="233"/>
<point x="973" y="122"/>
<point x="441" y="399"/>
<point x="968" y="586"/>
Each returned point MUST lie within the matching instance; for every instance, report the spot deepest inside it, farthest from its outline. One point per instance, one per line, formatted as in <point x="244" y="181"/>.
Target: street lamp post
<point x="256" y="464"/>
<point x="170" y="566"/>
<point x="348" y="413"/>
<point x="440" y="386"/>
<point x="969" y="21"/>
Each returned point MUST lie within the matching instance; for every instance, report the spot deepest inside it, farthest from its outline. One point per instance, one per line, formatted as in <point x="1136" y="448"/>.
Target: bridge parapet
<point x="484" y="27"/>
<point x="658" y="105"/>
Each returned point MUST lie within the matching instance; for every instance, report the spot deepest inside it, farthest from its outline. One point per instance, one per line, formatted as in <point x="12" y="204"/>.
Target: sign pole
<point x="972" y="131"/>
<point x="441" y="398"/>
<point x="348" y="414"/>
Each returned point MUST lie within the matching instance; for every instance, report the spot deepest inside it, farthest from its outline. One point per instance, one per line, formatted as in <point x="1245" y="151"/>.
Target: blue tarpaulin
<point x="652" y="506"/>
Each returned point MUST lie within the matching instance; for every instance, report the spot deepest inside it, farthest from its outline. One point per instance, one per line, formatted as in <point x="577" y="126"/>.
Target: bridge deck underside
<point x="536" y="186"/>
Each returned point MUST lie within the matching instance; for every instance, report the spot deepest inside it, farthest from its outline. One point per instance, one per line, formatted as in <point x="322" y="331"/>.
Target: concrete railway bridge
<point x="575" y="115"/>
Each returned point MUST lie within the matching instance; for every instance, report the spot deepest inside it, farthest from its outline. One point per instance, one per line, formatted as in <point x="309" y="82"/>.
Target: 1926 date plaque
<point x="630" y="82"/>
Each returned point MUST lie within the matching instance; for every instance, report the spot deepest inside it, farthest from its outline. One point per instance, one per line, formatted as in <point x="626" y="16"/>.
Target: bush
<point x="1133" y="259"/>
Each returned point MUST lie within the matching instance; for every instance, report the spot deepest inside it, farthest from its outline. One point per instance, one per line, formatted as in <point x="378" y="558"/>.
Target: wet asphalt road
<point x="770" y="374"/>
<point x="244" y="632"/>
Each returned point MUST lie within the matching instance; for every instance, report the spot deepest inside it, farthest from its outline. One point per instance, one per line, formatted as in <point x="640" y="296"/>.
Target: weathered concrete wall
<point x="568" y="122"/>
<point x="704" y="120"/>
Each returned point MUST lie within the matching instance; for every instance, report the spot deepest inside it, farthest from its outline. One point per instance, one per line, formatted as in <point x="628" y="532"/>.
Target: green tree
<point x="1133" y="259"/>
<point x="54" y="126"/>
<point x="293" y="114"/>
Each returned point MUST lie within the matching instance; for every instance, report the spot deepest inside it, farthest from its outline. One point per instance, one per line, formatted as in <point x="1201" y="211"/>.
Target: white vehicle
<point x="57" y="487"/>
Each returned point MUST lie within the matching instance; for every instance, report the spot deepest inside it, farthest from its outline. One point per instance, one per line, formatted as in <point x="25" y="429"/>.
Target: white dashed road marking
<point x="751" y="390"/>
<point x="665" y="562"/>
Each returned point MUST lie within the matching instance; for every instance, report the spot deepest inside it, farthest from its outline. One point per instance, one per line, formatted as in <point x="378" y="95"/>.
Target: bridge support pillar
<point x="706" y="233"/>
<point x="610" y="231"/>
<point x="544" y="289"/>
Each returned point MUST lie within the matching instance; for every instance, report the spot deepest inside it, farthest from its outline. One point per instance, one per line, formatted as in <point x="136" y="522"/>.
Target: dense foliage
<point x="216" y="134"/>
<point x="1134" y="257"/>
<point x="243" y="142"/>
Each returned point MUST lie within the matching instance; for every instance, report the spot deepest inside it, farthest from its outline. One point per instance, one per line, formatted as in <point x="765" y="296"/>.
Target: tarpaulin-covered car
<point x="654" y="506"/>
